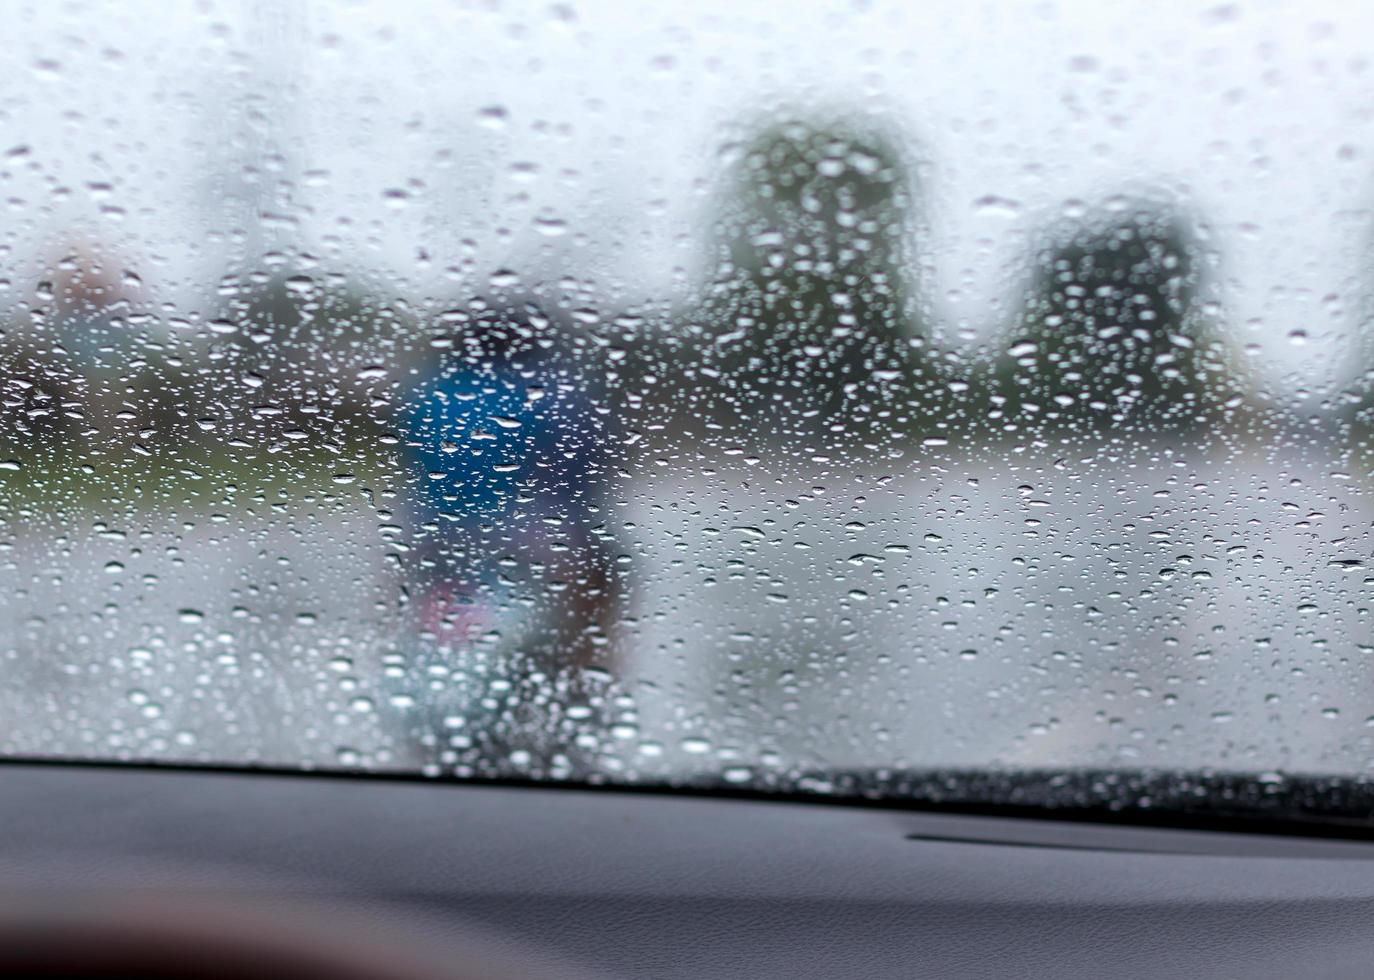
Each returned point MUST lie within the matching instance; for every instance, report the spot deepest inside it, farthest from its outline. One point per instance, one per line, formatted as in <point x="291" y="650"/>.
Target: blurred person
<point x="67" y="356"/>
<point x="514" y="592"/>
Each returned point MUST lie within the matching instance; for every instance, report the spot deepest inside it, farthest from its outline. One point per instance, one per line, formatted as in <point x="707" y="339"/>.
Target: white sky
<point x="1260" y="113"/>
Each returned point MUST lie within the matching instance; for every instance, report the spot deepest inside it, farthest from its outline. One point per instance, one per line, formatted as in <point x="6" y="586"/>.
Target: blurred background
<point x="574" y="389"/>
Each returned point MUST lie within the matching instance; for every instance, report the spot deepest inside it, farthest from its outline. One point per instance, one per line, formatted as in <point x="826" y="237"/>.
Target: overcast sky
<point x="585" y="137"/>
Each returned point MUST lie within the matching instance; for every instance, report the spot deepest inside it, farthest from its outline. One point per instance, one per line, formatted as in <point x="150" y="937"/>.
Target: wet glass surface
<point x="584" y="391"/>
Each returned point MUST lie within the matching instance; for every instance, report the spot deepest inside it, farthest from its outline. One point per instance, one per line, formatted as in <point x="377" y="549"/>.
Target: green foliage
<point x="304" y="340"/>
<point x="808" y="313"/>
<point x="1112" y="335"/>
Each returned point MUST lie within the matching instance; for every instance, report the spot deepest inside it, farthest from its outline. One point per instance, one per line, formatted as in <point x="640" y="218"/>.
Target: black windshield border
<point x="1304" y="825"/>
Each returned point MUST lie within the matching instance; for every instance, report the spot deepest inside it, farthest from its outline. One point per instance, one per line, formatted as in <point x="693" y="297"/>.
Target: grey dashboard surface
<point x="634" y="885"/>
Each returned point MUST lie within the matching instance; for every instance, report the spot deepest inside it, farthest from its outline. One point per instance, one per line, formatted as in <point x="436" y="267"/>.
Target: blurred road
<point x="1130" y="611"/>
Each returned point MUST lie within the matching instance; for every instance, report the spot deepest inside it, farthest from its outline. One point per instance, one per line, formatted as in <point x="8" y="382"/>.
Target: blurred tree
<point x="38" y="386"/>
<point x="1112" y="335"/>
<point x="308" y="350"/>
<point x="1355" y="412"/>
<point x="1354" y="401"/>
<point x="807" y="325"/>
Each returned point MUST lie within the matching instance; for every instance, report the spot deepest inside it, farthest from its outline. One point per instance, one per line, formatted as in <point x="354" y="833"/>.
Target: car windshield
<point x="937" y="401"/>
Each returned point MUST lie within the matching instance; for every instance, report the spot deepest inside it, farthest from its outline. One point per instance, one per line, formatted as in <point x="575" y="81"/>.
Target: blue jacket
<point x="489" y="434"/>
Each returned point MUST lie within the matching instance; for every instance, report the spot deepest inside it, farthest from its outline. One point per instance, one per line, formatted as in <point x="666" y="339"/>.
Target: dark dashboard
<point x="619" y="884"/>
